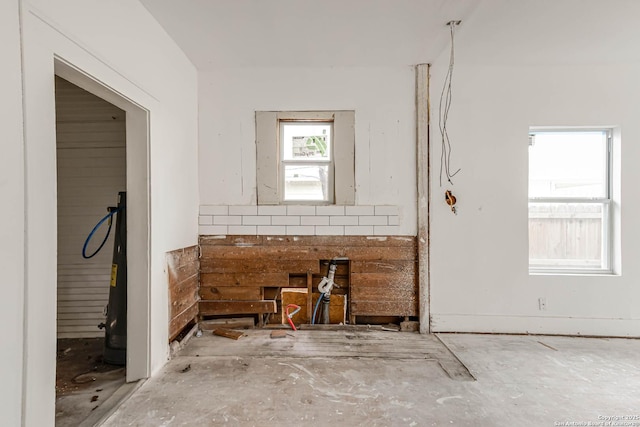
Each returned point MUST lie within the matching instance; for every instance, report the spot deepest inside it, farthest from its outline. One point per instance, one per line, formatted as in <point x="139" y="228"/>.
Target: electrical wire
<point x="443" y="116"/>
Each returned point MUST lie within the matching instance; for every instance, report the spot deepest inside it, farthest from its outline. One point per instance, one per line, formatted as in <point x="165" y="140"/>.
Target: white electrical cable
<point x="443" y="116"/>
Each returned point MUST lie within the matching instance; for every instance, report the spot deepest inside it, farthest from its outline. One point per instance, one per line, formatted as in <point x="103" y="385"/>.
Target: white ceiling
<point x="289" y="33"/>
<point x="565" y="32"/>
<point x="311" y="33"/>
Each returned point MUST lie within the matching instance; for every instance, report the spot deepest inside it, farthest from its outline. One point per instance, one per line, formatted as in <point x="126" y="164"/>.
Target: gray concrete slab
<point x="521" y="381"/>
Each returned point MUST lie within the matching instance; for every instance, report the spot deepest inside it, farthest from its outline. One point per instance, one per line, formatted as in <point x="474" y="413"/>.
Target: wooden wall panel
<point x="380" y="276"/>
<point x="183" y="268"/>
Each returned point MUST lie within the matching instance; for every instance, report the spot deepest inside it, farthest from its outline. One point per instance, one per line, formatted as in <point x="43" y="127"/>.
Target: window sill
<point x="584" y="273"/>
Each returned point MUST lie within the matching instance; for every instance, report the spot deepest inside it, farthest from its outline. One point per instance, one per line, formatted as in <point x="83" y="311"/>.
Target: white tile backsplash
<point x="304" y="220"/>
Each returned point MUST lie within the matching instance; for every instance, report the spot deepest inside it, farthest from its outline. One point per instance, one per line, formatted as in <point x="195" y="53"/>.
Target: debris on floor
<point x="228" y="333"/>
<point x="278" y="334"/>
<point x="186" y="368"/>
<point x="84" y="382"/>
<point x="80" y="365"/>
<point x="236" y="322"/>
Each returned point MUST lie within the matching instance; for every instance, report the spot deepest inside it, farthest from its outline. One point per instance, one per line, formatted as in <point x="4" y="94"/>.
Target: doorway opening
<point x="131" y="122"/>
<point x="91" y="158"/>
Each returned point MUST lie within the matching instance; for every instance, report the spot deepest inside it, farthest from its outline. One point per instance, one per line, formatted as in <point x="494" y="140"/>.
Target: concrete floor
<point x="391" y="379"/>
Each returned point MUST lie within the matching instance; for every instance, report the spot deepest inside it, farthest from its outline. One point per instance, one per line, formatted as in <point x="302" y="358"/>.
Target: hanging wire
<point x="443" y="116"/>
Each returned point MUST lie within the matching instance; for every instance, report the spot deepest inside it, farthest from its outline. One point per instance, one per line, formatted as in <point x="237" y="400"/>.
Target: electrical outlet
<point x="542" y="304"/>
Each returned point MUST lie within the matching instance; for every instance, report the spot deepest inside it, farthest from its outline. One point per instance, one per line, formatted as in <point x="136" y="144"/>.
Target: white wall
<point x="357" y="55"/>
<point x="12" y="217"/>
<point x="383" y="100"/>
<point x="479" y="258"/>
<point x="143" y="64"/>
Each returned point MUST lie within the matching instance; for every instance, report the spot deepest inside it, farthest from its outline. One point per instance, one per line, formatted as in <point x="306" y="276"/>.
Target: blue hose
<point x="111" y="213"/>
<point x="315" y="310"/>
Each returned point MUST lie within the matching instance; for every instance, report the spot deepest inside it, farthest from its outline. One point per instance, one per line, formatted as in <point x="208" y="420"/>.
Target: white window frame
<point x="270" y="180"/>
<point x="317" y="162"/>
<point x="606" y="202"/>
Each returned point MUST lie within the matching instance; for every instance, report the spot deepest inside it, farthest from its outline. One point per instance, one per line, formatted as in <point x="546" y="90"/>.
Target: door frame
<point x="138" y="208"/>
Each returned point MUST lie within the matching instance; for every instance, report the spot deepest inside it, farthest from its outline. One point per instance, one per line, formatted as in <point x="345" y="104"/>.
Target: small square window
<point x="305" y="157"/>
<point x="306" y="162"/>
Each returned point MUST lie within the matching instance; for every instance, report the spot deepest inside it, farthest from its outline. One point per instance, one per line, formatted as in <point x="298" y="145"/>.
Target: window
<point x="305" y="157"/>
<point x="306" y="163"/>
<point x="569" y="200"/>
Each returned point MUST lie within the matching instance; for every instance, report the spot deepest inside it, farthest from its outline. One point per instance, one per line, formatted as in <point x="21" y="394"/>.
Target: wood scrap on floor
<point x="278" y="334"/>
<point x="233" y="323"/>
<point x="228" y="333"/>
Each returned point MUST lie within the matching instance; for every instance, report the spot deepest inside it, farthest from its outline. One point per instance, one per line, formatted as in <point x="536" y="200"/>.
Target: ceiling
<point x="275" y="33"/>
<point x="330" y="33"/>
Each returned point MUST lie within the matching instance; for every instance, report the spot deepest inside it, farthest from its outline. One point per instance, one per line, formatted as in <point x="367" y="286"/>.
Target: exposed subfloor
<point x="379" y="378"/>
<point x="84" y="383"/>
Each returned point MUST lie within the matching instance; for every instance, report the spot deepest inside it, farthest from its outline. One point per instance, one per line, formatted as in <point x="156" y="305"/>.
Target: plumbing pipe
<point x="290" y="315"/>
<point x="315" y="310"/>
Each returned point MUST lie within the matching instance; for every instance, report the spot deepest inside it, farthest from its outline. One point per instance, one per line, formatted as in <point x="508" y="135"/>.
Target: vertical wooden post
<point x="422" y="147"/>
<point x="309" y="295"/>
<point x="352" y="317"/>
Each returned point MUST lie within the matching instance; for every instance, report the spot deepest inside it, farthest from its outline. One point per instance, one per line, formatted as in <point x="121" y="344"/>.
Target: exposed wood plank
<point x="301" y="281"/>
<point x="244" y="279"/>
<point x="342" y="268"/>
<point x="257" y="265"/>
<point x="423" y="181"/>
<point x="230" y="240"/>
<point x="181" y="320"/>
<point x="381" y="308"/>
<point x="308" y="301"/>
<point x="384" y="281"/>
<point x="236" y="322"/>
<point x="228" y="333"/>
<point x="184" y="289"/>
<point x="383" y="270"/>
<point x="298" y="281"/>
<point x="238" y="293"/>
<point x="208" y="308"/>
<point x="364" y="293"/>
<point x="369" y="241"/>
<point x="298" y="253"/>
<point x="278" y="334"/>
<point x="246" y="240"/>
<point x="183" y="277"/>
<point x="384" y="266"/>
<point x="188" y="298"/>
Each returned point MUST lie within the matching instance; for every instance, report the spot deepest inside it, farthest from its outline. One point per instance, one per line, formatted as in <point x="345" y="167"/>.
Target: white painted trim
<point x="268" y="182"/>
<point x="138" y="219"/>
<point x="12" y="227"/>
<point x="174" y="107"/>
<point x="266" y="157"/>
<point x="344" y="157"/>
<point x="605" y="327"/>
